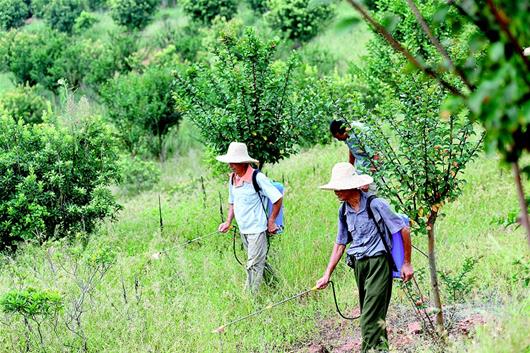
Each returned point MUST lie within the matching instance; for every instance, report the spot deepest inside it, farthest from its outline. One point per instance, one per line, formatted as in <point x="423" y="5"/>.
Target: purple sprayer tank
<point x="279" y="218"/>
<point x="398" y="252"/>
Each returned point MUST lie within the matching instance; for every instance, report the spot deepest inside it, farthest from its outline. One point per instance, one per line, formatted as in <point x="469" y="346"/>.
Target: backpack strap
<point x="257" y="188"/>
<point x="342" y="219"/>
<point x="381" y="234"/>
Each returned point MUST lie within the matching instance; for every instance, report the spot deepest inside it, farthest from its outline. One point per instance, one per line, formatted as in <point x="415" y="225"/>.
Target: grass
<point x="172" y="303"/>
<point x="5" y="82"/>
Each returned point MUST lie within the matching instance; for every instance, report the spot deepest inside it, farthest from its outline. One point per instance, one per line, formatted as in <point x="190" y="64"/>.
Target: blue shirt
<point x="248" y="208"/>
<point x="360" y="231"/>
<point x="362" y="155"/>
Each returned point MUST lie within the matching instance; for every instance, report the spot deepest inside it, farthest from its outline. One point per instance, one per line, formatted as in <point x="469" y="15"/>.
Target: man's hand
<point x="323" y="282"/>
<point x="407" y="272"/>
<point x="224" y="227"/>
<point x="271" y="226"/>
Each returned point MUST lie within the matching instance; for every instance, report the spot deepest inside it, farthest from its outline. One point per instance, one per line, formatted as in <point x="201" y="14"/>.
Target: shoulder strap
<point x="381" y="234"/>
<point x="255" y="180"/>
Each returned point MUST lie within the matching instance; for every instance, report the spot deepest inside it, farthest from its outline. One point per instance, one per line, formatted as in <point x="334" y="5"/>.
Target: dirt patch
<point x="406" y="332"/>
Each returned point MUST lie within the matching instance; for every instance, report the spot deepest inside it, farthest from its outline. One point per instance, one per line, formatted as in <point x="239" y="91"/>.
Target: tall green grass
<point x="172" y="301"/>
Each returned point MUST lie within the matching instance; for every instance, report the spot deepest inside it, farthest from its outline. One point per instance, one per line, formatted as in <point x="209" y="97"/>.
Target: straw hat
<point x="526" y="51"/>
<point x="237" y="153"/>
<point x="344" y="177"/>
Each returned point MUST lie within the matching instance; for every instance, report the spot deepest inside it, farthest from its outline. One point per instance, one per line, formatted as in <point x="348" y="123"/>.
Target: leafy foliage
<point x="137" y="174"/>
<point x="31" y="302"/>
<point x="299" y="20"/>
<point x="206" y="10"/>
<point x="260" y="6"/>
<point x="62" y="14"/>
<point x="84" y="22"/>
<point x="142" y="108"/>
<point x="54" y="179"/>
<point x="460" y="284"/>
<point x="133" y="14"/>
<point x="12" y="13"/>
<point x="115" y="56"/>
<point x="25" y="104"/>
<point x="246" y="96"/>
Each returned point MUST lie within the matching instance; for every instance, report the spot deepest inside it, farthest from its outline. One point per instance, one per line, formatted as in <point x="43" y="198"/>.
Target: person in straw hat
<point x="366" y="253"/>
<point x="248" y="208"/>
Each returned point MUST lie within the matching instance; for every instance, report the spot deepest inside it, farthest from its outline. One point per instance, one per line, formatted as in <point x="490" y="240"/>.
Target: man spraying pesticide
<point x="245" y="189"/>
<point x="362" y="222"/>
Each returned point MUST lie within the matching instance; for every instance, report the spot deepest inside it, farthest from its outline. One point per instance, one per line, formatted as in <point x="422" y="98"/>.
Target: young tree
<point x="299" y="20"/>
<point x="54" y="179"/>
<point x="12" y="13"/>
<point x="246" y="96"/>
<point x="62" y="14"/>
<point x="206" y="11"/>
<point x="497" y="84"/>
<point x="143" y="109"/>
<point x="422" y="150"/>
<point x="133" y="14"/>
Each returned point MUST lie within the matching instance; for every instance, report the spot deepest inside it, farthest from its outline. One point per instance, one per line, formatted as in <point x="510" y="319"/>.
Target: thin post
<point x="160" y="214"/>
<point x="522" y="200"/>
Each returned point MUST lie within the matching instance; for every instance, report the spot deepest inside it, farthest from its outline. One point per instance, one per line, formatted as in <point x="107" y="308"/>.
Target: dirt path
<point x="406" y="332"/>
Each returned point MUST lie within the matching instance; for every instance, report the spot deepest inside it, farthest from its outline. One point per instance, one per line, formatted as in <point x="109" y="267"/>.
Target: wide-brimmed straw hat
<point x="345" y="177"/>
<point x="237" y="153"/>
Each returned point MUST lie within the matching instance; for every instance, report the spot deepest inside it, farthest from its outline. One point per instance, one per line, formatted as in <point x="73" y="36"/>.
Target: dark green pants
<point x="374" y="281"/>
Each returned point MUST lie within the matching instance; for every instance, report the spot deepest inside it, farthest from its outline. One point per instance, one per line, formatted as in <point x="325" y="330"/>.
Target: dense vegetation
<point x="110" y="112"/>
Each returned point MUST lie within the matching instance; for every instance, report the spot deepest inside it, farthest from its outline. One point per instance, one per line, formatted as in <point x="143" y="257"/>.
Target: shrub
<point x="84" y="22"/>
<point x="62" y="14"/>
<point x="23" y="103"/>
<point x="142" y="108"/>
<point x="138" y="175"/>
<point x="30" y="56"/>
<point x="206" y="10"/>
<point x="246" y="96"/>
<point x="96" y="5"/>
<point x="259" y="6"/>
<point x="299" y="20"/>
<point x="38" y="7"/>
<point x="54" y="180"/>
<point x="133" y="14"/>
<point x="12" y="13"/>
<point x="114" y="56"/>
<point x="186" y="41"/>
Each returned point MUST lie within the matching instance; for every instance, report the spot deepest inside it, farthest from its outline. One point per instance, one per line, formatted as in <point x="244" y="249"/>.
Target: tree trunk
<point x="434" y="275"/>
<point x="522" y="200"/>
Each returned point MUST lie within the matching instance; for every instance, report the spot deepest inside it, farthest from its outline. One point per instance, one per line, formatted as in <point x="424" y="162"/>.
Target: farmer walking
<point x="366" y="253"/>
<point x="359" y="153"/>
<point x="248" y="207"/>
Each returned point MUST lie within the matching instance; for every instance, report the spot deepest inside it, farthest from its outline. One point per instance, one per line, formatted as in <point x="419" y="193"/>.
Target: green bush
<point x="38" y="7"/>
<point x="46" y="56"/>
<point x="62" y="14"/>
<point x="96" y="5"/>
<point x="299" y="20"/>
<point x="54" y="180"/>
<point x="249" y="97"/>
<point x="113" y="56"/>
<point x="31" y="302"/>
<point x="12" y="13"/>
<point x="142" y="108"/>
<point x="206" y="10"/>
<point x="23" y="103"/>
<point x="259" y="6"/>
<point x="30" y="55"/>
<point x="138" y="175"/>
<point x="186" y="41"/>
<point x="84" y="22"/>
<point x="133" y="14"/>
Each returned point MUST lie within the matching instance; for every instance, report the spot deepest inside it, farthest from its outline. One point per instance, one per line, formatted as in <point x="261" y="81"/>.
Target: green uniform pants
<point x="374" y="281"/>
